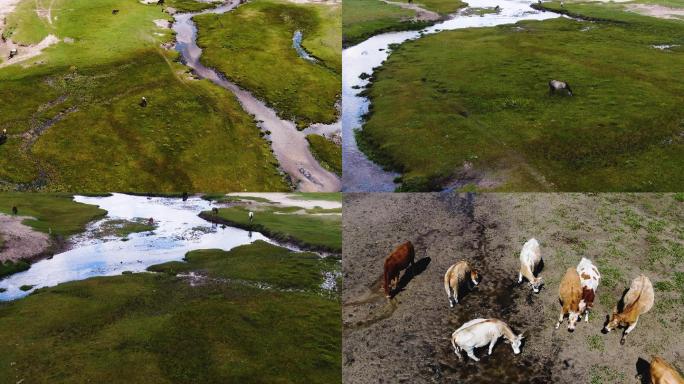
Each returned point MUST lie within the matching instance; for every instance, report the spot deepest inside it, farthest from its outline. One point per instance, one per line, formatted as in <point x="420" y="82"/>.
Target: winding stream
<point x="178" y="231"/>
<point x="289" y="144"/>
<point x="361" y="174"/>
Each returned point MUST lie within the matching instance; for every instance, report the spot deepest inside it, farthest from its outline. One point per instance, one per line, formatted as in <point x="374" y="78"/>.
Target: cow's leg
<point x="471" y="354"/>
<point x="586" y="315"/>
<point x="628" y="330"/>
<point x="560" y="319"/>
<point x="519" y="277"/>
<point x="491" y="346"/>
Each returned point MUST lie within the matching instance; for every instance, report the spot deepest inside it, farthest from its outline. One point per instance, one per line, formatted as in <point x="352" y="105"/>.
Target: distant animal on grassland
<point x="589" y="281"/>
<point x="530" y="260"/>
<point x="143" y="102"/>
<point x="555" y="85"/>
<point x="251" y="216"/>
<point x="570" y="295"/>
<point x="214" y="211"/>
<point x="160" y="2"/>
<point x="459" y="276"/>
<point x="401" y="258"/>
<point x="480" y="332"/>
<point x="663" y="373"/>
<point x="15" y="211"/>
<point x="637" y="301"/>
<point x="115" y="11"/>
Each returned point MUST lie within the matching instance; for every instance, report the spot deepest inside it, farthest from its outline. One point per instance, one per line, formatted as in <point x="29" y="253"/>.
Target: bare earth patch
<point x="422" y="14"/>
<point x="658" y="11"/>
<point x="21" y="241"/>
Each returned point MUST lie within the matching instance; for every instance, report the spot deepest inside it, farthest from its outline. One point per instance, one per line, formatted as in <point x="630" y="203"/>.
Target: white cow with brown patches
<point x="459" y="276"/>
<point x="530" y="258"/>
<point x="637" y="301"/>
<point x="589" y="280"/>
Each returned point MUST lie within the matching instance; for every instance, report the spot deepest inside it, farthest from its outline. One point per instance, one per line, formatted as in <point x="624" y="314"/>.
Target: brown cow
<point x="637" y="301"/>
<point x="401" y="258"/>
<point x="570" y="294"/>
<point x="664" y="373"/>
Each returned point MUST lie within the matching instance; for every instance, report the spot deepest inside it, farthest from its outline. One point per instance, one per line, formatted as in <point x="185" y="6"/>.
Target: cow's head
<point x="613" y="321"/>
<point x="516" y="343"/>
<point x="537" y="284"/>
<point x="475" y="277"/>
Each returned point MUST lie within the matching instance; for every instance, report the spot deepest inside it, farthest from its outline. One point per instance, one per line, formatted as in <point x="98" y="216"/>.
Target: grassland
<point x="287" y="224"/>
<point x="158" y="328"/>
<point x="75" y="122"/>
<point x="53" y="213"/>
<point x="471" y="108"/>
<point x="362" y="19"/>
<point x="443" y="7"/>
<point x="123" y="228"/>
<point x="328" y="154"/>
<point x="253" y="47"/>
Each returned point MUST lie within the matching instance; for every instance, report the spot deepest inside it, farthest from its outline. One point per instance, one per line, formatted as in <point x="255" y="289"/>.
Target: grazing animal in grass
<point x="160" y="2"/>
<point x="401" y="258"/>
<point x="480" y="332"/>
<point x="143" y="102"/>
<point x="555" y="85"/>
<point x="115" y="11"/>
<point x="150" y="221"/>
<point x="530" y="259"/>
<point x="3" y="136"/>
<point x="459" y="276"/>
<point x="214" y="211"/>
<point x="589" y="280"/>
<point x="251" y="217"/>
<point x="637" y="301"/>
<point x="570" y="294"/>
<point x="15" y="211"/>
<point x="664" y="373"/>
<point x="13" y="52"/>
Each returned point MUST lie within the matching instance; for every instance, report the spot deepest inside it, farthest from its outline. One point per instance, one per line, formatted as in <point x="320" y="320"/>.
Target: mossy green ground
<point x="328" y="154"/>
<point x="481" y="96"/>
<point x="53" y="213"/>
<point x="319" y="231"/>
<point x="443" y="7"/>
<point x="362" y="19"/>
<point x="252" y="45"/>
<point x="123" y="228"/>
<point x="157" y="328"/>
<point x="193" y="135"/>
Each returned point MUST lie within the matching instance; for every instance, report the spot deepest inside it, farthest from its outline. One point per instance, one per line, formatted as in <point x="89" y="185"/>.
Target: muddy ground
<point x="20" y="241"/>
<point x="408" y="339"/>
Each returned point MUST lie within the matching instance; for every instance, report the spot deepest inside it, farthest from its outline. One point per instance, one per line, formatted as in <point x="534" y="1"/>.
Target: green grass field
<point x="89" y="134"/>
<point x="252" y="46"/>
<point x="443" y="7"/>
<point x="57" y="213"/>
<point x="362" y="19"/>
<point x="286" y="224"/>
<point x="328" y="154"/>
<point x="480" y="97"/>
<point x="157" y="328"/>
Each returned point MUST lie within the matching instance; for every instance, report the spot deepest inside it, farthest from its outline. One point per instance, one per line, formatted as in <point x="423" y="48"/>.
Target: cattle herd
<point x="576" y="295"/>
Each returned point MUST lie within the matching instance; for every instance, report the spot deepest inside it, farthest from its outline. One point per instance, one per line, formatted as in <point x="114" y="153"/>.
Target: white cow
<point x="589" y="279"/>
<point x="251" y="216"/>
<point x="530" y="258"/>
<point x="480" y="332"/>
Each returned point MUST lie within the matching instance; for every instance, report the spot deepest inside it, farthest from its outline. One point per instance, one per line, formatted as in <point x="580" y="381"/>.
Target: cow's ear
<point x="521" y="336"/>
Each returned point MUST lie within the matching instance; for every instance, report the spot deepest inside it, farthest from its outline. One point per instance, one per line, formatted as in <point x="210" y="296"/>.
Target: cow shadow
<point x="538" y="268"/>
<point x="643" y="368"/>
<point x="418" y="267"/>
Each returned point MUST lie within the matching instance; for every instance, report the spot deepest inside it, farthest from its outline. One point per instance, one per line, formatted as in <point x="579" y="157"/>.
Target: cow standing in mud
<point x="589" y="280"/>
<point x="663" y="373"/>
<point x="401" y="258"/>
<point x="480" y="332"/>
<point x="530" y="260"/>
<point x="459" y="276"/>
<point x="570" y="294"/>
<point x="637" y="301"/>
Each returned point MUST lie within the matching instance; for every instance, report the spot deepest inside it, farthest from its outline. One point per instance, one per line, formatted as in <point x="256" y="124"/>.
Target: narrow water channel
<point x="361" y="174"/>
<point x="178" y="231"/>
<point x="289" y="144"/>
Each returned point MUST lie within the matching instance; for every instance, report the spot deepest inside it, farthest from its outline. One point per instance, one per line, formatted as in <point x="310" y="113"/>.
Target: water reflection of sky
<point x="178" y="231"/>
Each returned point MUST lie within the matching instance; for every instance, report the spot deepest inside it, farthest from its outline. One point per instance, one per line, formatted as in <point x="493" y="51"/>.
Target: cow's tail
<point x="447" y="285"/>
<point x="385" y="282"/>
<point x="457" y="349"/>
